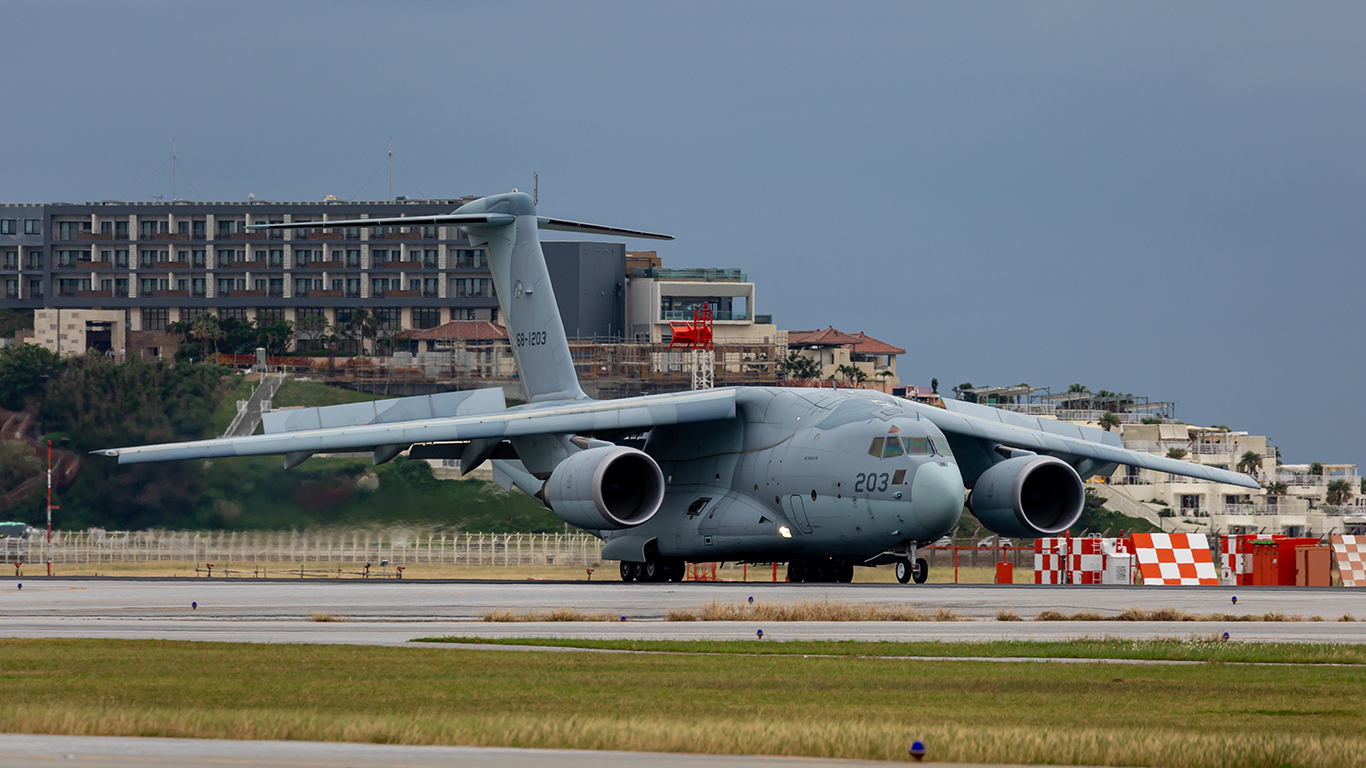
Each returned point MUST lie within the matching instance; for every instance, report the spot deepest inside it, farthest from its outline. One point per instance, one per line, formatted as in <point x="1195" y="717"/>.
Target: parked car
<point x="992" y="542"/>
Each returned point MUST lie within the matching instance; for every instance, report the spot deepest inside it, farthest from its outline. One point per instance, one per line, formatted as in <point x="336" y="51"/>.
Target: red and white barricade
<point x="1350" y="553"/>
<point x="1175" y="559"/>
<point x="1081" y="561"/>
<point x="1236" y="551"/>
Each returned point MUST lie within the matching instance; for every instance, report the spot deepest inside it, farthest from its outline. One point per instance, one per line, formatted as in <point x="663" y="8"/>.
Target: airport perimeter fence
<point x="324" y="546"/>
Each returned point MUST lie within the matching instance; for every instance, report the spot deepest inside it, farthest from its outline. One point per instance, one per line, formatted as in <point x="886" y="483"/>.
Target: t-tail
<point x="508" y="227"/>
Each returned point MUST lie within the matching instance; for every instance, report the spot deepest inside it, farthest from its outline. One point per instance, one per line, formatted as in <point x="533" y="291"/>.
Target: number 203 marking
<point x="870" y="482"/>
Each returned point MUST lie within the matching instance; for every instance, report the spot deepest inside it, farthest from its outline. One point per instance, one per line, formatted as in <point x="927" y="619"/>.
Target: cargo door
<point x="797" y="510"/>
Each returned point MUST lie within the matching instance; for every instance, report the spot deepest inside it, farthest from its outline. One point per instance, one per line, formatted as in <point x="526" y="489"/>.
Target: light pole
<point x="49" y="507"/>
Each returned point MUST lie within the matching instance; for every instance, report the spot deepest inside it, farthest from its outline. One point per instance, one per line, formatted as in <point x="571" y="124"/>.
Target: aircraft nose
<point x="937" y="495"/>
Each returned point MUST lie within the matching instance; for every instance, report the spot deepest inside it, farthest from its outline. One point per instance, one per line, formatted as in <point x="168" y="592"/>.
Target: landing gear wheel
<point x="903" y="571"/>
<point x="626" y="572"/>
<point x="796" y="571"/>
<point x="654" y="570"/>
<point x="922" y="570"/>
<point x="845" y="573"/>
<point x="637" y="571"/>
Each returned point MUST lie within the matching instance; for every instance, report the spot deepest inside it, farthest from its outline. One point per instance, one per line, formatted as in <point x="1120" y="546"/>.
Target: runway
<point x="396" y="612"/>
<point x="22" y="751"/>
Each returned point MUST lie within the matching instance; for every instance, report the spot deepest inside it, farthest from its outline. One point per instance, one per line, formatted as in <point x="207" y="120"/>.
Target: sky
<point x="1157" y="198"/>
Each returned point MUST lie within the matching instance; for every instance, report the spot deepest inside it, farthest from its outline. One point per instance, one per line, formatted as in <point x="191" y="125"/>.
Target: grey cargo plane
<point x="821" y="479"/>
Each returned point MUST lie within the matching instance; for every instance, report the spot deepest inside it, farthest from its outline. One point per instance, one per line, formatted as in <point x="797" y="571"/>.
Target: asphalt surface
<point x="395" y="612"/>
<point x="22" y="751"/>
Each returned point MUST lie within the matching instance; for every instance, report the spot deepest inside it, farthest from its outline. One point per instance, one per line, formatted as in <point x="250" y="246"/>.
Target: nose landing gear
<point x="905" y="571"/>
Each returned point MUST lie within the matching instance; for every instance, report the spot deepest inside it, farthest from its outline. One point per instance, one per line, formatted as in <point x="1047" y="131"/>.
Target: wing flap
<point x="535" y="419"/>
<point x="458" y="219"/>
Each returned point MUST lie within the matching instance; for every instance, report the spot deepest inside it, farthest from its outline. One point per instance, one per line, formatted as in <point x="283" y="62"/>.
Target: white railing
<point x="323" y="546"/>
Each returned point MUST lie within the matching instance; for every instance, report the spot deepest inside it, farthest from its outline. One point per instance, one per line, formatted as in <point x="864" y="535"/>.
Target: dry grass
<point x="809" y="610"/>
<point x="1007" y="614"/>
<point x="1347" y="617"/>
<point x="1206" y="716"/>
<point x="325" y="617"/>
<point x="1169" y="614"/>
<point x="554" y="614"/>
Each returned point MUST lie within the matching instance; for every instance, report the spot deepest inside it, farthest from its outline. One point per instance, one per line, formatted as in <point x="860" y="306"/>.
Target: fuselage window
<point x="917" y="445"/>
<point x="941" y="446"/>
<point x="875" y="449"/>
<point x="893" y="448"/>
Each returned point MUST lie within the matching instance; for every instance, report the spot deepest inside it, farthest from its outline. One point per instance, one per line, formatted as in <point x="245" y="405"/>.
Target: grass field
<point x="1215" y="715"/>
<point x="314" y="393"/>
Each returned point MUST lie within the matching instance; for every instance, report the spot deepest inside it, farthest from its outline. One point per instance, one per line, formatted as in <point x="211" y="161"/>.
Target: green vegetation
<point x="312" y="394"/>
<point x="11" y="321"/>
<point x="98" y="403"/>
<point x="1192" y="650"/>
<point x="1097" y="518"/>
<point x="766" y="703"/>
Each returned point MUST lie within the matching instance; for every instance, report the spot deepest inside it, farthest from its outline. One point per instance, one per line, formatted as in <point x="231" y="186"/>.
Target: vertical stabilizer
<point x="522" y="283"/>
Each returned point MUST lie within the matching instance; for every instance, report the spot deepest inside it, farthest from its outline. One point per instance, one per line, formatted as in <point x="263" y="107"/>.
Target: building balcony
<point x="241" y="294"/>
<point x="391" y="294"/>
<point x="171" y="237"/>
<point x="164" y="294"/>
<point x="95" y="237"/>
<point x="687" y="314"/>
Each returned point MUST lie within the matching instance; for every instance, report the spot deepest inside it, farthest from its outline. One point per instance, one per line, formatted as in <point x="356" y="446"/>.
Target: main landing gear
<point x="655" y="568"/>
<point x="823" y="571"/>
<point x="905" y="571"/>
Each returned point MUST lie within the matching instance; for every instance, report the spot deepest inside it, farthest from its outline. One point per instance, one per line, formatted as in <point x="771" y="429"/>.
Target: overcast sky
<point x="1164" y="199"/>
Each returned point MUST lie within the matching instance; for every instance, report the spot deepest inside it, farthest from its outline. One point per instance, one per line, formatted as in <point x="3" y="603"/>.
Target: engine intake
<point x="607" y="488"/>
<point x="1028" y="497"/>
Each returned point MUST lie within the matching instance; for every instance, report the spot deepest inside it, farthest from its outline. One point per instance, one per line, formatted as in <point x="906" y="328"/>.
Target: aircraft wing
<point x="1049" y="436"/>
<point x="570" y="417"/>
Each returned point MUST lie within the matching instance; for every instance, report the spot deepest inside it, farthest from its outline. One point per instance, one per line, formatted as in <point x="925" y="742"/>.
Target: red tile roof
<point x="861" y="343"/>
<point x="468" y="330"/>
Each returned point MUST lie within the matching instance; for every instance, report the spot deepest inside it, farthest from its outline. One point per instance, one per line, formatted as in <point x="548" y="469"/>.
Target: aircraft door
<point x="797" y="509"/>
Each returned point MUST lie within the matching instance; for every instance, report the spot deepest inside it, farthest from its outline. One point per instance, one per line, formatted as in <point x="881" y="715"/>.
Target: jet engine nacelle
<point x="607" y="488"/>
<point x="1028" y="497"/>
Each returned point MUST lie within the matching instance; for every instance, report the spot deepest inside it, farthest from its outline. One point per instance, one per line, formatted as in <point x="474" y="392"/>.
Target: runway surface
<point x="395" y="612"/>
<point x="22" y="751"/>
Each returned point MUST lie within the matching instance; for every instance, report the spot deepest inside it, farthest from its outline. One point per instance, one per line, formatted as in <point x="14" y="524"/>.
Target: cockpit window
<point x="893" y="448"/>
<point x="876" y="448"/>
<point x="917" y="445"/>
<point x="941" y="447"/>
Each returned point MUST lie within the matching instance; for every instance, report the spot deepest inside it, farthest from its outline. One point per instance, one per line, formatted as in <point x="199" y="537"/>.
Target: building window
<point x="353" y="258"/>
<point x="270" y="313"/>
<point x="155" y="319"/>
<point x="378" y="257"/>
<point x="67" y="230"/>
<point x="301" y="257"/>
<point x="239" y="314"/>
<point x="35" y="289"/>
<point x="389" y="319"/>
<point x="344" y="316"/>
<point x="11" y="289"/>
<point x="378" y="286"/>
<point x="11" y="259"/>
<point x="9" y="226"/>
<point x="426" y="318"/>
<point x="33" y="226"/>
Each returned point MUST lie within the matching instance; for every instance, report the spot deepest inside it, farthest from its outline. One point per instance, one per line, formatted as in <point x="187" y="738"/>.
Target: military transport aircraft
<point x="821" y="479"/>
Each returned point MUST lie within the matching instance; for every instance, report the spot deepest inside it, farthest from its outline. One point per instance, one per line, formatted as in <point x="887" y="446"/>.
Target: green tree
<point x="1276" y="489"/>
<point x="800" y="367"/>
<point x="1316" y="469"/>
<point x="206" y="330"/>
<point x="312" y="328"/>
<point x="1250" y="463"/>
<point x="275" y="335"/>
<point x="1339" y="492"/>
<point x="934" y="385"/>
<point x="1110" y="421"/>
<point x="18" y="465"/>
<point x="962" y="391"/>
<point x="24" y="371"/>
<point x="11" y="321"/>
<point x="1176" y="453"/>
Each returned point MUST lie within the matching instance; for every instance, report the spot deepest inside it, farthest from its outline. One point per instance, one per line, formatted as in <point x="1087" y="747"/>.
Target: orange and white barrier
<point x="1081" y="561"/>
<point x="1175" y="559"/>
<point x="1350" y="553"/>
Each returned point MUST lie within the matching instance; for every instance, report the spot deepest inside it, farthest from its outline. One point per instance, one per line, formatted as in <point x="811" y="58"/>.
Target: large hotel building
<point x="162" y="262"/>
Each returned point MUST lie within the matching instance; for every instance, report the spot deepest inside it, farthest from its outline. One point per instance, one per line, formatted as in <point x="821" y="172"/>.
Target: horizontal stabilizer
<point x="565" y="225"/>
<point x="457" y="219"/>
<point x="419" y="408"/>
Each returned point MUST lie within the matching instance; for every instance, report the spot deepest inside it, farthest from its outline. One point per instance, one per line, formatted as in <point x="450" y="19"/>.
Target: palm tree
<point x="1109" y="421"/>
<point x="1176" y="453"/>
<point x="205" y="328"/>
<point x="1316" y="469"/>
<point x="1250" y="463"/>
<point x="1275" y="490"/>
<point x="1339" y="493"/>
